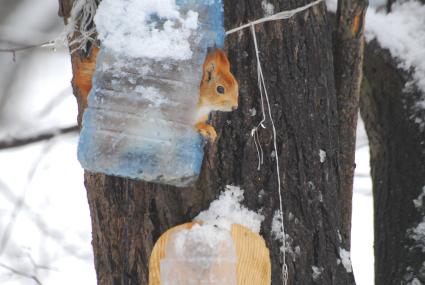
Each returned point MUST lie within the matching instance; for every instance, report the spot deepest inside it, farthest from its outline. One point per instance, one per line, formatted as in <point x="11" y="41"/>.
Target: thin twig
<point x="20" y="273"/>
<point x="16" y="142"/>
<point x="8" y="229"/>
<point x="13" y="51"/>
<point x="45" y="229"/>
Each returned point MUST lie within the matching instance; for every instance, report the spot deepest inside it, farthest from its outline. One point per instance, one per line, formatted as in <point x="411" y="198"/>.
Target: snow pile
<point x="402" y="32"/>
<point x="227" y="210"/>
<point x="345" y="259"/>
<point x="151" y="28"/>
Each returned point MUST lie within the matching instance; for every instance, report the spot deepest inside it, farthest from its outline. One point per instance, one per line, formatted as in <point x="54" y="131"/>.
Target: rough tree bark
<point x="348" y="58"/>
<point x="397" y="150"/>
<point x="128" y="216"/>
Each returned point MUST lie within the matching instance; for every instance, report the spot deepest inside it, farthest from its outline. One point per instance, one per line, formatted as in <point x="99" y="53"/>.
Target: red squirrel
<point x="219" y="91"/>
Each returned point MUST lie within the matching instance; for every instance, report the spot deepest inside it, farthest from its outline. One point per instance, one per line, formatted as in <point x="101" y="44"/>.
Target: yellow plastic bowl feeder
<point x="253" y="265"/>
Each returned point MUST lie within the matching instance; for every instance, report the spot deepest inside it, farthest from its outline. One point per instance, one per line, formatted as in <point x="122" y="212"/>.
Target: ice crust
<point x="141" y="110"/>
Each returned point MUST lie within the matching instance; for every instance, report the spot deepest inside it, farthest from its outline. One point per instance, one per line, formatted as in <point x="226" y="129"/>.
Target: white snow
<point x="322" y="155"/>
<point x="332" y="5"/>
<point x="277" y="231"/>
<point x="345" y="259"/>
<point x="419" y="201"/>
<point x="132" y="28"/>
<point x="415" y="281"/>
<point x="227" y="210"/>
<point x="402" y="32"/>
<point x="268" y="8"/>
<point x="317" y="271"/>
<point x="418" y="235"/>
<point x="252" y="112"/>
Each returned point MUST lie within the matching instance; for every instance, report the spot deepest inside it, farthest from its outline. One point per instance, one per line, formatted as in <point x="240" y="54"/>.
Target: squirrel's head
<point x="219" y="89"/>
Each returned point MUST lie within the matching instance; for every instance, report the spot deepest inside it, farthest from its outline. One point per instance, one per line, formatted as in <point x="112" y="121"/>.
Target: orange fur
<point x="219" y="91"/>
<point x="83" y="70"/>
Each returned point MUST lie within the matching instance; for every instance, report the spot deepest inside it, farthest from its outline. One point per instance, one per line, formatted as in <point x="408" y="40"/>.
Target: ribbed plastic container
<point x="139" y="122"/>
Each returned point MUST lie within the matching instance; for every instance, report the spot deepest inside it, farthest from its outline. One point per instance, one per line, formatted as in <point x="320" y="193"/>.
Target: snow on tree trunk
<point x="128" y="216"/>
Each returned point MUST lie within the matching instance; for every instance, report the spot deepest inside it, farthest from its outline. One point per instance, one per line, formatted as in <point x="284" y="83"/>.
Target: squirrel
<point x="219" y="91"/>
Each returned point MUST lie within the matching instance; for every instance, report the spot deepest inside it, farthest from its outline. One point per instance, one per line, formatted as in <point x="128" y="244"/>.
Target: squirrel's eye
<point x="220" y="89"/>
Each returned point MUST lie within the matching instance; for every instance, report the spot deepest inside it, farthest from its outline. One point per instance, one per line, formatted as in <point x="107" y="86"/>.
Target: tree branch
<point x="20" y="273"/>
<point x="13" y="51"/>
<point x="348" y="58"/>
<point x="16" y="142"/>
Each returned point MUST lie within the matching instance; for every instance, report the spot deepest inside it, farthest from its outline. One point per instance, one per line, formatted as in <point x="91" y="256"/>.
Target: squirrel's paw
<point x="208" y="132"/>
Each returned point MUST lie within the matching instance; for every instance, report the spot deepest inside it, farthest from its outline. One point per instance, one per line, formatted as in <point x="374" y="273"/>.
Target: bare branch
<point x="21" y="201"/>
<point x="20" y="273"/>
<point x="16" y="142"/>
<point x="54" y="234"/>
<point x="13" y="51"/>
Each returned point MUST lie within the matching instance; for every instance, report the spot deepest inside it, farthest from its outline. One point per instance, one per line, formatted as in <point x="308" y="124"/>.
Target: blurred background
<point x="45" y="235"/>
<point x="45" y="232"/>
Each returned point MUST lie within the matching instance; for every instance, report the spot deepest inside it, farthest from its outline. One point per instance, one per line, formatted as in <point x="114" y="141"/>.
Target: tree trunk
<point x="128" y="216"/>
<point x="348" y="53"/>
<point x="389" y="110"/>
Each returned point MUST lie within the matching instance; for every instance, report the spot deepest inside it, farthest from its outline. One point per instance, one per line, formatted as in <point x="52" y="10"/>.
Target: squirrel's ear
<point x="208" y="71"/>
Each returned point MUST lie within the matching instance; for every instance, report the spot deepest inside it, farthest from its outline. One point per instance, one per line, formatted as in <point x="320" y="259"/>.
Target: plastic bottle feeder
<point x="139" y="122"/>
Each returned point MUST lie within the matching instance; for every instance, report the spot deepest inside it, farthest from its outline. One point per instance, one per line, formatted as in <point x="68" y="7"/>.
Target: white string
<point x="278" y="16"/>
<point x="264" y="95"/>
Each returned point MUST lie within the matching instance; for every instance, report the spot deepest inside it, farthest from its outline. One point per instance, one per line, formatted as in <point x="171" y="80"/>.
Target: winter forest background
<point x="45" y="231"/>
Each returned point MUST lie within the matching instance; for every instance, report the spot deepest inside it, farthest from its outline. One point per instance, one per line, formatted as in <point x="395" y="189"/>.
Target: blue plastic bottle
<point x="139" y="120"/>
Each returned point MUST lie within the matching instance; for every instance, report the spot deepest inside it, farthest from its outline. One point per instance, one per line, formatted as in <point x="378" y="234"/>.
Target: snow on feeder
<point x="142" y="107"/>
